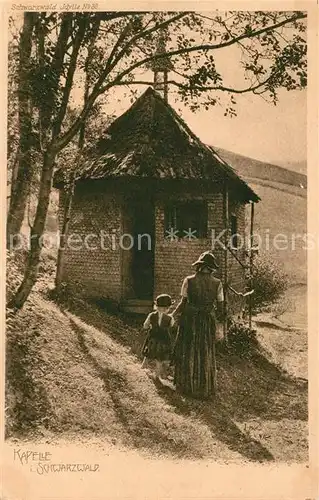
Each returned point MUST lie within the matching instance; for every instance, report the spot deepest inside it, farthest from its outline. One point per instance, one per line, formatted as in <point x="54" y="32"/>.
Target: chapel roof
<point x="150" y="140"/>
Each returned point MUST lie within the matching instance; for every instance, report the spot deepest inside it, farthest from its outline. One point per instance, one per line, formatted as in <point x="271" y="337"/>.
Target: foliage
<point x="269" y="282"/>
<point x="12" y="117"/>
<point x="15" y="265"/>
<point x="122" y="44"/>
<point x="15" y="262"/>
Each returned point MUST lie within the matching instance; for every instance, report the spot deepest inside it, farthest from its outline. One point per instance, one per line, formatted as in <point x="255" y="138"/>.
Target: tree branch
<point x="199" y="87"/>
<point x="69" y="79"/>
<point x="142" y="34"/>
<point x="99" y="89"/>
<point x="108" y="68"/>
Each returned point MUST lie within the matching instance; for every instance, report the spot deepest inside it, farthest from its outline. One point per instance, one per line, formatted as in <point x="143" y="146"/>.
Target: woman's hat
<point x="207" y="259"/>
<point x="163" y="300"/>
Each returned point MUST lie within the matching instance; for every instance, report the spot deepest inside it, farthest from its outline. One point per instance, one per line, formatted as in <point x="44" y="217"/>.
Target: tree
<point x="12" y="117"/>
<point x="22" y="167"/>
<point x="273" y="55"/>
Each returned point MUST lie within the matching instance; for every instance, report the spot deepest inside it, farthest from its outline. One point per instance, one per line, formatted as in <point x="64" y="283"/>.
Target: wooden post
<point x="226" y="226"/>
<point x="165" y="86"/>
<point x="65" y="230"/>
<point x="251" y="260"/>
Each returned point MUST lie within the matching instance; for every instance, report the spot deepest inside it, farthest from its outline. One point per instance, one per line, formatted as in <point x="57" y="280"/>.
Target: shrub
<point x="15" y="262"/>
<point x="240" y="338"/>
<point x="15" y="267"/>
<point x="268" y="281"/>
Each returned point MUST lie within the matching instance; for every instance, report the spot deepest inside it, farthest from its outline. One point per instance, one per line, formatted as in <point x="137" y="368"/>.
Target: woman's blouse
<point x="184" y="290"/>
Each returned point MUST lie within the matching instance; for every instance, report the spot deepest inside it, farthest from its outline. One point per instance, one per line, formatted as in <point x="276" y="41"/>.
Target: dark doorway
<point x="143" y="225"/>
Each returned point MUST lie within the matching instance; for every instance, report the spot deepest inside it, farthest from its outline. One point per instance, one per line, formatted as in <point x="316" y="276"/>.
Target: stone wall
<point x="92" y="259"/>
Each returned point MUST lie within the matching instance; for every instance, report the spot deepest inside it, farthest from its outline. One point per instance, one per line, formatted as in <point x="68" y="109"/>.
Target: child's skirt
<point x="157" y="348"/>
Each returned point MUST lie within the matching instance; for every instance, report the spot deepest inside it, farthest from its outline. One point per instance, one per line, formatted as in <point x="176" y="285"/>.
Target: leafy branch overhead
<point x="270" y="48"/>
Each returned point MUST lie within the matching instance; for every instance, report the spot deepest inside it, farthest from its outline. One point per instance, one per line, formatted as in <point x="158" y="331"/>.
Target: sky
<point x="274" y="134"/>
<point x="261" y="130"/>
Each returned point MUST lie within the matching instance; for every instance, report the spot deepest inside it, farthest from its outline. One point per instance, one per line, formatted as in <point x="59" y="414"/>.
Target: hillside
<point x="73" y="372"/>
<point x="248" y="167"/>
<point x="281" y="211"/>
<point x="296" y="166"/>
<point x="80" y="378"/>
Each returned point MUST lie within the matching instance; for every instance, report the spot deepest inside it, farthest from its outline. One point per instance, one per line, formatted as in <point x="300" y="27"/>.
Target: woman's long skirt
<point x="194" y="355"/>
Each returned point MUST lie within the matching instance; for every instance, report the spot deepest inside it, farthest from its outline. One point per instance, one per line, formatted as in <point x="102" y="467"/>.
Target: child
<point x="158" y="345"/>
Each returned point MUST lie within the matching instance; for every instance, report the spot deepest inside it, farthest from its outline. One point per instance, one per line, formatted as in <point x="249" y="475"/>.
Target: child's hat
<point x="163" y="300"/>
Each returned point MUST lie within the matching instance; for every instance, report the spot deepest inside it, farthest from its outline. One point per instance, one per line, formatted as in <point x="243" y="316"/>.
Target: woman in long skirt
<point x="194" y="352"/>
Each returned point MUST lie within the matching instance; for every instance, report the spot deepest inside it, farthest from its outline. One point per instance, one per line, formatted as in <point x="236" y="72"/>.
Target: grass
<point x="282" y="209"/>
<point x="91" y="385"/>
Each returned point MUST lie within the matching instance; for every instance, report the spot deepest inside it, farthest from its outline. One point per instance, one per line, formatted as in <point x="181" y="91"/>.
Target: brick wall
<point x="96" y="269"/>
<point x="173" y="259"/>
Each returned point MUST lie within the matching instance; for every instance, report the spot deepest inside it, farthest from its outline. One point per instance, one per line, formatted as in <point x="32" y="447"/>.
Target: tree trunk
<point x="18" y="201"/>
<point x="21" y="186"/>
<point x="31" y="269"/>
<point x="65" y="231"/>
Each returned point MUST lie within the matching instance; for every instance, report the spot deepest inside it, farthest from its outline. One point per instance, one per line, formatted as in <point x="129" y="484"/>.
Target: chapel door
<point x="142" y="261"/>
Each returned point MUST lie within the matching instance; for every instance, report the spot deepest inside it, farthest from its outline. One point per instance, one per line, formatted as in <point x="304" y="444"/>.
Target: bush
<point x="240" y="338"/>
<point x="268" y="281"/>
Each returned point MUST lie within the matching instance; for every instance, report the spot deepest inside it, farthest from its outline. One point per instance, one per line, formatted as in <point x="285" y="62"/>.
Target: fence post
<point x="251" y="260"/>
<point x="226" y="226"/>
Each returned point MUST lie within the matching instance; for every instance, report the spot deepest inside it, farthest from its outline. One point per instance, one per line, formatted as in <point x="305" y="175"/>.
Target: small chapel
<point x="160" y="197"/>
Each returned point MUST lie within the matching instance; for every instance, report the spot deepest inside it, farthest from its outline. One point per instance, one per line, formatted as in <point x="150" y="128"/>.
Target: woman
<point x="194" y="353"/>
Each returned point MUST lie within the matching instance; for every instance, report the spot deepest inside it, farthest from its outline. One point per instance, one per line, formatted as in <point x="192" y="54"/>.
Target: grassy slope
<point x="75" y="373"/>
<point x="283" y="213"/>
<point x="249" y="167"/>
<point x="282" y="209"/>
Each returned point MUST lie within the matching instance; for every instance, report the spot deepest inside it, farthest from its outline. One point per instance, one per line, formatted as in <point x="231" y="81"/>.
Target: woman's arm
<point x="180" y="306"/>
<point x="220" y="303"/>
<point x="147" y="322"/>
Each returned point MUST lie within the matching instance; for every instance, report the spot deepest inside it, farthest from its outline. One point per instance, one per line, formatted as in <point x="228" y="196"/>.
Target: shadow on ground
<point x="247" y="388"/>
<point x="216" y="416"/>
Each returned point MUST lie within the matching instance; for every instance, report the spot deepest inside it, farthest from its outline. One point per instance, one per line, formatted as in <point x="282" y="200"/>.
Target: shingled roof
<point x="150" y="140"/>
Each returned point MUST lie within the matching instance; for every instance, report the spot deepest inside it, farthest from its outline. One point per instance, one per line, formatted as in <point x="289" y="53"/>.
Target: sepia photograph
<point x="156" y="243"/>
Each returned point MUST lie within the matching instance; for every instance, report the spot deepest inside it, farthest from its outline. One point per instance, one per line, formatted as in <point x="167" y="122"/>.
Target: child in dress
<point x="158" y="343"/>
